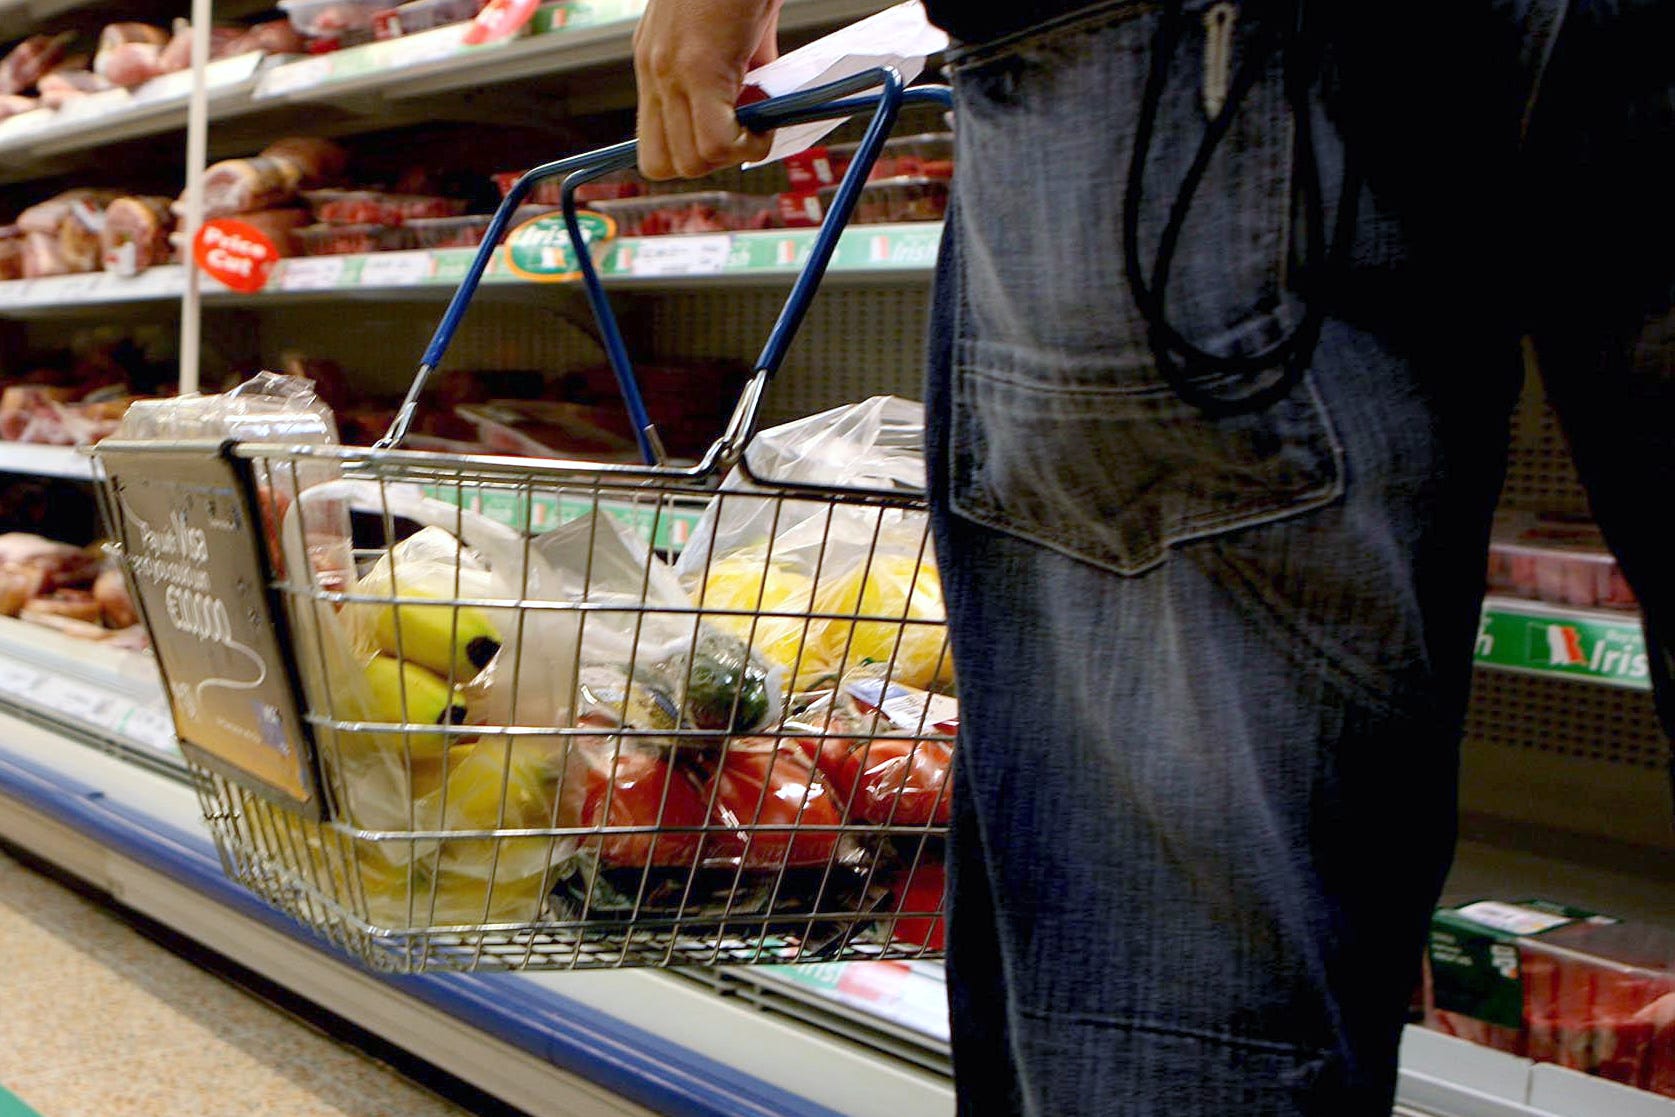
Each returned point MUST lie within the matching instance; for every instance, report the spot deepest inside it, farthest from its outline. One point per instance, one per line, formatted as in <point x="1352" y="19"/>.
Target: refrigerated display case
<point x="1564" y="794"/>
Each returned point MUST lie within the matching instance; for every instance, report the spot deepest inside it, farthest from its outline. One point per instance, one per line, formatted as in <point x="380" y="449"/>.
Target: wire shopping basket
<point x="443" y="742"/>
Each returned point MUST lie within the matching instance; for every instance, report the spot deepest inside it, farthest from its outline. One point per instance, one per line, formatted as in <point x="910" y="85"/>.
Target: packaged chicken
<point x="63" y="87"/>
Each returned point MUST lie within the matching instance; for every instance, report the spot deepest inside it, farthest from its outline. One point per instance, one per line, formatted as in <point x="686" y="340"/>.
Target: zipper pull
<point x="1218" y="55"/>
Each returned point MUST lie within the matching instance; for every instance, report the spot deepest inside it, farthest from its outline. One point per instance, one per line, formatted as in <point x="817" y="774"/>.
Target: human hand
<point x="690" y="59"/>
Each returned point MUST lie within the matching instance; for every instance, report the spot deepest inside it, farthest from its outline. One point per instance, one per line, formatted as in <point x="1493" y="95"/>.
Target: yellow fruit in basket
<point x="891" y="590"/>
<point x="750" y="584"/>
<point x="520" y="774"/>
<point x="407" y="694"/>
<point x="442" y="638"/>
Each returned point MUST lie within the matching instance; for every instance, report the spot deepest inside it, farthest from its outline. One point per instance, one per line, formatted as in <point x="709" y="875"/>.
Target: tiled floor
<point x="97" y="1020"/>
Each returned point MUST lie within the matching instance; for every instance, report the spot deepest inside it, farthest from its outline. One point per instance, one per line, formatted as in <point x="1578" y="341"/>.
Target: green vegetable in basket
<point x="725" y="687"/>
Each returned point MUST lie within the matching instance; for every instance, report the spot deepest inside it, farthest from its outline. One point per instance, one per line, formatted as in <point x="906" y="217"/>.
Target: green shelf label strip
<point x="1519" y="636"/>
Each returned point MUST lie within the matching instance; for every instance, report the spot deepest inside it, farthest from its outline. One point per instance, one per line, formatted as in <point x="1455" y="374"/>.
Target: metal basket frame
<point x="852" y="875"/>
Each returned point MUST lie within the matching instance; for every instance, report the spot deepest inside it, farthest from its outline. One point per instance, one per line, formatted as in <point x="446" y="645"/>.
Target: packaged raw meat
<point x="1558" y="559"/>
<point x="319" y="162"/>
<point x="60" y="565"/>
<point x="887" y="201"/>
<point x="130" y="54"/>
<point x="370" y="207"/>
<point x="41" y="256"/>
<point x="275" y="36"/>
<point x="712" y="211"/>
<point x="344" y="240"/>
<point x="1599" y="997"/>
<point x="549" y="192"/>
<point x="223" y="43"/>
<point x="422" y="15"/>
<point x="235" y="186"/>
<point x="538" y="429"/>
<point x="30" y="59"/>
<point x="926" y="156"/>
<point x="47" y="216"/>
<point x="450" y="232"/>
<point x="61" y="87"/>
<point x="136" y="234"/>
<point x="11" y="252"/>
<point x="12" y="104"/>
<point x="330" y="19"/>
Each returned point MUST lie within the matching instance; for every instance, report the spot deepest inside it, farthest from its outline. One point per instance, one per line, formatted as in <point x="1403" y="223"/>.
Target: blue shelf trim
<point x="619" y="1057"/>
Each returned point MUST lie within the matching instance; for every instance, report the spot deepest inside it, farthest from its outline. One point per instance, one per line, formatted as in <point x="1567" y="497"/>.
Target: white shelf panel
<point x="102" y="692"/>
<point x="45" y="461"/>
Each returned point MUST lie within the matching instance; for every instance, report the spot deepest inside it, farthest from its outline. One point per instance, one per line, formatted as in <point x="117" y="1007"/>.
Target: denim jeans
<point x="1213" y="671"/>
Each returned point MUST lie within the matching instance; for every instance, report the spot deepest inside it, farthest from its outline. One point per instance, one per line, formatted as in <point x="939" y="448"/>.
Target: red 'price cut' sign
<point x="236" y="253"/>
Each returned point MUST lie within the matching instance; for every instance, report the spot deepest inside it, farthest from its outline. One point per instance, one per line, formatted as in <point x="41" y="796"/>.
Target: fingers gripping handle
<point x="833" y="101"/>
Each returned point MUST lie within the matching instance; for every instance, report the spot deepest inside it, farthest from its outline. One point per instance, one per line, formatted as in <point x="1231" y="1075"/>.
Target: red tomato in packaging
<point x="778" y="787"/>
<point x="903" y="781"/>
<point x="838" y="761"/>
<point x="642" y="790"/>
<point x="922" y="892"/>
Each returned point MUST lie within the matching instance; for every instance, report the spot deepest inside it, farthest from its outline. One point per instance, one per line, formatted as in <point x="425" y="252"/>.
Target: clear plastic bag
<point x="865" y="571"/>
<point x="647" y="661"/>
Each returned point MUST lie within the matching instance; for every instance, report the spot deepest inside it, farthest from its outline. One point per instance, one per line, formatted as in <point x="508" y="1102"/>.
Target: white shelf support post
<point x="197" y="154"/>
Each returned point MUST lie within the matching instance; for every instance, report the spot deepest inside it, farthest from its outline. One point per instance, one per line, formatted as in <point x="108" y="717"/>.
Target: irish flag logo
<point x="1564" y="646"/>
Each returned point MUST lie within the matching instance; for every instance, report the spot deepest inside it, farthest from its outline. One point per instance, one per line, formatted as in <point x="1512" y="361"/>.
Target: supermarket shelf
<point x="1591" y="645"/>
<point x="45" y="461"/>
<point x="869" y="253"/>
<point x="104" y="696"/>
<point x="593" y="33"/>
<point x="19" y="17"/>
<point x="30" y="142"/>
<point x="1450" y="1077"/>
<point x="590" y="32"/>
<point x="627" y="1043"/>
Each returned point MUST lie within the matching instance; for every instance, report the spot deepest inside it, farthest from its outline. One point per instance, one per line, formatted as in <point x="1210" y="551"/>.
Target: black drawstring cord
<point x="1188" y="369"/>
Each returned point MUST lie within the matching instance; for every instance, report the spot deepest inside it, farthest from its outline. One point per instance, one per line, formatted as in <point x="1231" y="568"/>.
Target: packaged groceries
<point x="1562" y="560"/>
<point x="1557" y="984"/>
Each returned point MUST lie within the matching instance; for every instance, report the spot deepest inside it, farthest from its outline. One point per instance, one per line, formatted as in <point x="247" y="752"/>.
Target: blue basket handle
<point x="833" y="101"/>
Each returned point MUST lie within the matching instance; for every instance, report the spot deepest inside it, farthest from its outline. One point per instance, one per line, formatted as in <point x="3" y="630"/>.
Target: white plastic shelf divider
<point x="45" y="461"/>
<point x="107" y="694"/>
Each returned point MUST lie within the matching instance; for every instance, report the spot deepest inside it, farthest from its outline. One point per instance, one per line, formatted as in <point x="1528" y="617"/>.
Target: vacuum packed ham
<point x="136" y="234"/>
<point x="245" y="185"/>
<point x="130" y="54"/>
<point x="319" y="162"/>
<point x="30" y="59"/>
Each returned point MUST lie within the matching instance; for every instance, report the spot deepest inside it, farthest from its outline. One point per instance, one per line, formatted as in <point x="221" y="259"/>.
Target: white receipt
<point x="902" y="37"/>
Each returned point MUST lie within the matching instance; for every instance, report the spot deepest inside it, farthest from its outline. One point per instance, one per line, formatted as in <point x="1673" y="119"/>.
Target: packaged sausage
<point x="1562" y="560"/>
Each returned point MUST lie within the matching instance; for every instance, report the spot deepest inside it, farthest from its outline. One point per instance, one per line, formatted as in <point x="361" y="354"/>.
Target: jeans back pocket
<point x="1046" y="448"/>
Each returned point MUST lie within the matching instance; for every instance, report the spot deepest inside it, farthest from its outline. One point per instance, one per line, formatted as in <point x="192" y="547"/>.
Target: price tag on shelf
<point x="294" y="76"/>
<point x="83" y="703"/>
<point x="426" y="46"/>
<point x="682" y="255"/>
<point x="311" y="273"/>
<point x="397" y="269"/>
<point x="15" y="678"/>
<point x="75" y="288"/>
<point x="149" y="727"/>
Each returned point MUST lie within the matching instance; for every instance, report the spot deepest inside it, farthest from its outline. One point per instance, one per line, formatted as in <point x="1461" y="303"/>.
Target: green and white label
<point x="541" y="250"/>
<point x="1523" y="637"/>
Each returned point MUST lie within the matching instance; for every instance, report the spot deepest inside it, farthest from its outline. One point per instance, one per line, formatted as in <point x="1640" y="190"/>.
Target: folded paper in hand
<point x="902" y="37"/>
